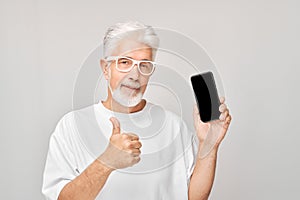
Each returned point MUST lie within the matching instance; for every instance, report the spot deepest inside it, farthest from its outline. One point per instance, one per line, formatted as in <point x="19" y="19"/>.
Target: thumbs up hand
<point x="123" y="149"/>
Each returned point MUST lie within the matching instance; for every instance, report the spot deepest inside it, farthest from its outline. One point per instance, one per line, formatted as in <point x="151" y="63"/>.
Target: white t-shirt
<point x="167" y="159"/>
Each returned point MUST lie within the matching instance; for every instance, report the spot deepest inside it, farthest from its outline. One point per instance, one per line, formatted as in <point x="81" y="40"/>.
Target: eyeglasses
<point x="125" y="64"/>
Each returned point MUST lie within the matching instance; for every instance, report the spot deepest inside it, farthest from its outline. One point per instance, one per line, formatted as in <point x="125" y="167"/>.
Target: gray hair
<point x="129" y="30"/>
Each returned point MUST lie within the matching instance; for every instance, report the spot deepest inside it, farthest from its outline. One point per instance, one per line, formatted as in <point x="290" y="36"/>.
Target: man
<point x="92" y="157"/>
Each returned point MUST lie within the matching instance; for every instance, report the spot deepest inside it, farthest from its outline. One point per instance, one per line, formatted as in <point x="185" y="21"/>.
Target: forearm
<point x="203" y="176"/>
<point x="88" y="184"/>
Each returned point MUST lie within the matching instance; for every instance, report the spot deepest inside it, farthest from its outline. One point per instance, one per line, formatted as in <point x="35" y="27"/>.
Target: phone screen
<point x="206" y="96"/>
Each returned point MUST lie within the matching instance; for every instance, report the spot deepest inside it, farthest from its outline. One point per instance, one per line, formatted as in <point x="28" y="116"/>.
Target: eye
<point x="124" y="61"/>
<point x="145" y="65"/>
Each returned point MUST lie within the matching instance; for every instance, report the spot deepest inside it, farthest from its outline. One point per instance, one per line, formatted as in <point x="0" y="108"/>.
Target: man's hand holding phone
<point x="211" y="115"/>
<point x="212" y="130"/>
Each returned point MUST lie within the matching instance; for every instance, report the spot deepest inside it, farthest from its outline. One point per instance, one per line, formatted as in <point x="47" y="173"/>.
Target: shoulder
<point x="69" y="121"/>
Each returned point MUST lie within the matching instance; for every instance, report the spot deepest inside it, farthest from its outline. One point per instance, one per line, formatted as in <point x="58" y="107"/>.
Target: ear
<point x="104" y="67"/>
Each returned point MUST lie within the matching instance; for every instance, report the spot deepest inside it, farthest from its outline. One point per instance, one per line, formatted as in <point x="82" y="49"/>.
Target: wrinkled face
<point x="129" y="87"/>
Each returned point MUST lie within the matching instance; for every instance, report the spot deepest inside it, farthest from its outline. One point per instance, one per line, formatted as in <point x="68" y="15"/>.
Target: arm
<point x="88" y="184"/>
<point x="123" y="151"/>
<point x="203" y="176"/>
<point x="211" y="133"/>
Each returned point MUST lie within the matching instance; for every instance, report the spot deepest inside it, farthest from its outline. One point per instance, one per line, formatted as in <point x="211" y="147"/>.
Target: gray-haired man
<point x="71" y="172"/>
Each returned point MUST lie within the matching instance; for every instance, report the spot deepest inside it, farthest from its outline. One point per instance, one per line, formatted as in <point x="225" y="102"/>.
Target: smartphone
<point x="207" y="97"/>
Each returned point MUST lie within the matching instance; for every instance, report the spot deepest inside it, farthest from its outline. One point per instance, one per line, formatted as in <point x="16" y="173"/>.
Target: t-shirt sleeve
<point x="60" y="163"/>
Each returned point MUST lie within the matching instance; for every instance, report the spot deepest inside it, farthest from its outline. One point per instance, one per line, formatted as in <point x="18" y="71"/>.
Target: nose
<point x="134" y="73"/>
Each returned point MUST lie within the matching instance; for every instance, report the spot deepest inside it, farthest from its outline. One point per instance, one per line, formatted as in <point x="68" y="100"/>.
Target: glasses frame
<point x="134" y="62"/>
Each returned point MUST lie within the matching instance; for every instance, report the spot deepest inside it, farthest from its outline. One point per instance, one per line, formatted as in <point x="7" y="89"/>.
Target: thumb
<point x="196" y="113"/>
<point x="116" y="125"/>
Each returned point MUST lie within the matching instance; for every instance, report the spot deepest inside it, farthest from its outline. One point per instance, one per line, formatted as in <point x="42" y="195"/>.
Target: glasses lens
<point x="146" y="67"/>
<point x="124" y="63"/>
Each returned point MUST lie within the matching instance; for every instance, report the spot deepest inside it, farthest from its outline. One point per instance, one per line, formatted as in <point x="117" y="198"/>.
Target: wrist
<point x="211" y="154"/>
<point x="102" y="167"/>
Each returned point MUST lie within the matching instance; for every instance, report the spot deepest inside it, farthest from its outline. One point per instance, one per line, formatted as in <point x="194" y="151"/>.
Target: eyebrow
<point x="141" y="59"/>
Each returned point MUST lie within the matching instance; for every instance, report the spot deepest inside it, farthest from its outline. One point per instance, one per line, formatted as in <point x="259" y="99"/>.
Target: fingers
<point x="224" y="115"/>
<point x="135" y="144"/>
<point x="132" y="136"/>
<point x="227" y="121"/>
<point x="137" y="159"/>
<point x="222" y="99"/>
<point x="133" y="147"/>
<point x="223" y="107"/>
<point x="196" y="113"/>
<point x="131" y="141"/>
<point x="123" y="149"/>
<point x="135" y="152"/>
<point x="116" y="125"/>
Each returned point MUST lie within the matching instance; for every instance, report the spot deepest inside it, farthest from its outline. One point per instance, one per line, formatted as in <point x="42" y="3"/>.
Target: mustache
<point x="131" y="84"/>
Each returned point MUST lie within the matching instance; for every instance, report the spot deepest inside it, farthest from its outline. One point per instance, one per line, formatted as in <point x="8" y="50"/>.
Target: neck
<point x="112" y="105"/>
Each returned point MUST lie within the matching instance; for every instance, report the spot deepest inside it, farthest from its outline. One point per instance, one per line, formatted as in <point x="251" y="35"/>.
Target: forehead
<point x="134" y="50"/>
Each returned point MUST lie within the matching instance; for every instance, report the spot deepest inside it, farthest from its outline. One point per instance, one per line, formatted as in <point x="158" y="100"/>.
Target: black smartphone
<point x="207" y="97"/>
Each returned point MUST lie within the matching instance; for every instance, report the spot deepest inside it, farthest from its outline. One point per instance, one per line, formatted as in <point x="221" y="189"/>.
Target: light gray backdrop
<point x="255" y="45"/>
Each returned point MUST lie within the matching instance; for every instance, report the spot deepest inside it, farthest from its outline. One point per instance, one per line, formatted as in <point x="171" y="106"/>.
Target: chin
<point x="126" y="101"/>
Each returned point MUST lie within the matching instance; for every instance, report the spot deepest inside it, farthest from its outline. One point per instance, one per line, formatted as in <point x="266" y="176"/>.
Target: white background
<point x="255" y="45"/>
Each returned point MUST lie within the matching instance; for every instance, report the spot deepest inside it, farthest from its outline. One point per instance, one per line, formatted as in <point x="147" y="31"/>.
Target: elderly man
<point x="73" y="172"/>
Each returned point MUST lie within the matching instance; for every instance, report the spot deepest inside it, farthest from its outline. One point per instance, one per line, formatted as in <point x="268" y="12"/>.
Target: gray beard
<point x="125" y="100"/>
